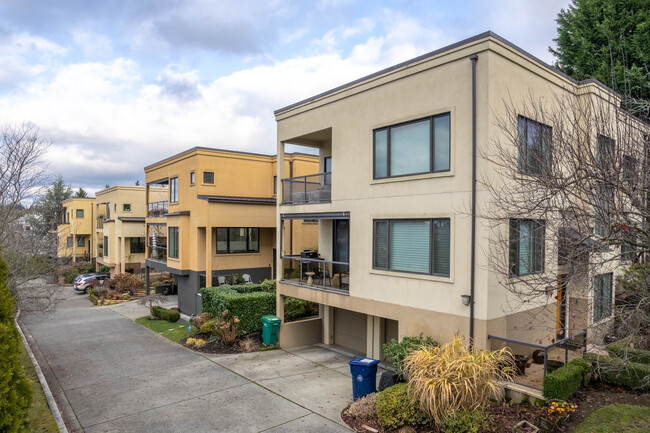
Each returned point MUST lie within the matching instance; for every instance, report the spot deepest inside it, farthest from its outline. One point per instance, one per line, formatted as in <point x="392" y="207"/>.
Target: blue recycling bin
<point x="364" y="376"/>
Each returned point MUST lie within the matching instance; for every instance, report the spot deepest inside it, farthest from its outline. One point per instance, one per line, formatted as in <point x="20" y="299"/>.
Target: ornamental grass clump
<point x="453" y="377"/>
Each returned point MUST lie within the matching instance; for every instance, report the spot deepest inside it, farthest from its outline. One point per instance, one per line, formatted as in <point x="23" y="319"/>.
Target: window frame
<point x="105" y="246"/>
<point x="69" y="242"/>
<point x="173" y="189"/>
<point x="79" y="212"/>
<point x="141" y="242"/>
<point x="173" y="238"/>
<point x="513" y="268"/>
<point x="522" y="169"/>
<point x="213" y="178"/>
<point x="81" y="239"/>
<point x="126" y="207"/>
<point x="432" y="230"/>
<point x="432" y="147"/>
<point x="247" y="236"/>
<point x="598" y="307"/>
<point x="192" y="178"/>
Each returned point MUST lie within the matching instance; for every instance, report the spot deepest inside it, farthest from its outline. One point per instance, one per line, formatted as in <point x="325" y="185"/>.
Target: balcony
<point x="311" y="189"/>
<point x="317" y="273"/>
<point x="158" y="209"/>
<point x="157" y="253"/>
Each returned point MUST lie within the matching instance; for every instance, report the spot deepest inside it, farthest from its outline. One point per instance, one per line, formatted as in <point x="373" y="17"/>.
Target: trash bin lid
<point x="270" y="319"/>
<point x="367" y="362"/>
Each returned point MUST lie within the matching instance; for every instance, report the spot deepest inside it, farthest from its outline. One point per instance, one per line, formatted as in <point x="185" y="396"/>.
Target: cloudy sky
<point x="119" y="84"/>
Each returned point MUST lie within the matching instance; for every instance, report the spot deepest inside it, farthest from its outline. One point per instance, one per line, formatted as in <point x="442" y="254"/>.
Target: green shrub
<point x="268" y="286"/>
<point x="69" y="272"/>
<point x="169" y="315"/>
<point x="395" y="408"/>
<point x="15" y="389"/>
<point x="249" y="307"/>
<point x="466" y="421"/>
<point x="397" y="351"/>
<point x="93" y="298"/>
<point x="566" y="380"/>
<point x="296" y="309"/>
<point x="104" y="269"/>
<point x="617" y="372"/>
<point x="210" y="327"/>
<point x="624" y="349"/>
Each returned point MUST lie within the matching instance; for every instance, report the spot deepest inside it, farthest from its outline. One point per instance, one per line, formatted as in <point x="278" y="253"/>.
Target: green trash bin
<point x="270" y="326"/>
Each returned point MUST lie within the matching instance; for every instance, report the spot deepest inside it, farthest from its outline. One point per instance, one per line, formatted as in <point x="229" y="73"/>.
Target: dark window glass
<point x="527" y="246"/>
<point x="69" y="242"/>
<point x="81" y="241"/>
<point x="172" y="251"/>
<point x="126" y="207"/>
<point x="534" y="147"/>
<point x="137" y="245"/>
<point x="602" y="297"/>
<point x="421" y="146"/>
<point x="105" y="246"/>
<point x="327" y="179"/>
<point x="192" y="178"/>
<point x="238" y="240"/>
<point x="80" y="213"/>
<point x="208" y="177"/>
<point x="420" y="246"/>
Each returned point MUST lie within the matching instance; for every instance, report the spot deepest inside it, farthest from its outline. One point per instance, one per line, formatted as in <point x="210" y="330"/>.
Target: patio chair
<point x="221" y="280"/>
<point x="247" y="279"/>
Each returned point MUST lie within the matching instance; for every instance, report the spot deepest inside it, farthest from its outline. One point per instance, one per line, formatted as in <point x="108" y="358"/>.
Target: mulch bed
<point x="216" y="347"/>
<point x="505" y="415"/>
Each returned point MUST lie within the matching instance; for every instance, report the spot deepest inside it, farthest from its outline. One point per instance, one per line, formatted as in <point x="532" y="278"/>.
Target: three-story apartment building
<point x="217" y="217"/>
<point x="120" y="227"/>
<point x="401" y="248"/>
<point x="75" y="233"/>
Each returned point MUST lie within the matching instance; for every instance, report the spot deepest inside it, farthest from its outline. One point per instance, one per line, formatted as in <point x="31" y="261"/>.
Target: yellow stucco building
<point x="75" y="234"/>
<point x="217" y="217"/>
<point x="399" y="251"/>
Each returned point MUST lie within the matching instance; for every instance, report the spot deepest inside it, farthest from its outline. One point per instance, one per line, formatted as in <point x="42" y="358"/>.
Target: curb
<point x="54" y="408"/>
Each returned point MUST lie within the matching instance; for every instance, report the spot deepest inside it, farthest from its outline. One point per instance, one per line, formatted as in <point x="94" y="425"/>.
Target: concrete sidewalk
<point x="109" y="374"/>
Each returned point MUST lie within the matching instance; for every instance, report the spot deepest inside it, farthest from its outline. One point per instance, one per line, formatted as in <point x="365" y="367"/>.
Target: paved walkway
<point x="109" y="374"/>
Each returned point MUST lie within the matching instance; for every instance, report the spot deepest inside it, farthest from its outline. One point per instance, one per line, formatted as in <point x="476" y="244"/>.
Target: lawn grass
<point x="39" y="415"/>
<point x="619" y="418"/>
<point x="173" y="331"/>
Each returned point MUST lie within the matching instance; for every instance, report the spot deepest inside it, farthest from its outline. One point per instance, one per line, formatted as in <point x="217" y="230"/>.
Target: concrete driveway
<point x="109" y="374"/>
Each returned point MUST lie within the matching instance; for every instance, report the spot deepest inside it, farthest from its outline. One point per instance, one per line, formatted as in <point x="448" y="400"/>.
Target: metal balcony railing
<point x="158" y="253"/>
<point x="314" y="188"/>
<point x="158" y="209"/>
<point x="317" y="273"/>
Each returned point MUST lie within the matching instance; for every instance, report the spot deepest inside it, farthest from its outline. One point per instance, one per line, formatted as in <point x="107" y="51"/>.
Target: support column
<point x="374" y="336"/>
<point x="146" y="279"/>
<point x="123" y="254"/>
<point x="208" y="256"/>
<point x="74" y="248"/>
<point x="328" y="324"/>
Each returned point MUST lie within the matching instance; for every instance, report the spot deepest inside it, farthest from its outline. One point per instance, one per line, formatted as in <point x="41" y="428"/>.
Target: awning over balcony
<point x="316" y="216"/>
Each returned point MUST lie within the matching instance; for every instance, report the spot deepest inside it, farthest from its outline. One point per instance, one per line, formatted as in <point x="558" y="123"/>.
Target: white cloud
<point x="93" y="45"/>
<point x="24" y="56"/>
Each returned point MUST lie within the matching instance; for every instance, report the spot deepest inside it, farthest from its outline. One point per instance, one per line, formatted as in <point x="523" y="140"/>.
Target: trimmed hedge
<point x="248" y="306"/>
<point x="621" y="349"/>
<point x="169" y="315"/>
<point x="395" y="408"/>
<point x="614" y="371"/>
<point x="15" y="389"/>
<point x="566" y="380"/>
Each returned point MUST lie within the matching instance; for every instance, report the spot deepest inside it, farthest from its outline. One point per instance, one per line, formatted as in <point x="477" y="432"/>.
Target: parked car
<point x="86" y="283"/>
<point x="81" y="276"/>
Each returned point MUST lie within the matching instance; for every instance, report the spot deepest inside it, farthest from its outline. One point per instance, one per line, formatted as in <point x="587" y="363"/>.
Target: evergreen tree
<point x="81" y="193"/>
<point x="49" y="208"/>
<point x="15" y="390"/>
<point x="608" y="40"/>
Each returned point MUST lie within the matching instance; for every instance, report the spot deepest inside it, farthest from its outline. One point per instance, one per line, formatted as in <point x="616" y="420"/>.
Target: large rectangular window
<point x="534" y="141"/>
<point x="172" y="251"/>
<point x="69" y="242"/>
<point x="173" y="190"/>
<point x="527" y="246"/>
<point x="80" y="213"/>
<point x="81" y="241"/>
<point x="137" y="245"/>
<point x="105" y="246"/>
<point x="602" y="297"/>
<point x="416" y="147"/>
<point x="420" y="246"/>
<point x="232" y="240"/>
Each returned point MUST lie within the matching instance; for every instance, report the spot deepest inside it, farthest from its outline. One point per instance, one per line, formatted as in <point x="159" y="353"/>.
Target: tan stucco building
<point x="120" y="228"/>
<point x="396" y="254"/>
<point x="217" y="217"/>
<point x="75" y="234"/>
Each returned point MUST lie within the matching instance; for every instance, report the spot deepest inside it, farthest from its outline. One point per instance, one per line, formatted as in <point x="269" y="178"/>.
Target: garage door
<point x="350" y="330"/>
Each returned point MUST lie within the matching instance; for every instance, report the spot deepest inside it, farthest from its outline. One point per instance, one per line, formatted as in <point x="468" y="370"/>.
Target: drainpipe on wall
<point x="473" y="58"/>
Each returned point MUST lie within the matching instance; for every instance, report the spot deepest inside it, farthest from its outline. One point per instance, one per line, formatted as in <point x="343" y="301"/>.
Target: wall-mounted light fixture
<point x="549" y="291"/>
<point x="467" y="299"/>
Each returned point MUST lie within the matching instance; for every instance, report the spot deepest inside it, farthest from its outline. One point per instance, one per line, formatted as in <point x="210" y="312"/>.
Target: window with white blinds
<point x="527" y="246"/>
<point x="419" y="246"/>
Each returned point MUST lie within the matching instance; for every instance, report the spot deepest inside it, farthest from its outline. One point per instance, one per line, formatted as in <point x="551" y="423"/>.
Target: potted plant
<point x="552" y="415"/>
<point x="525" y="427"/>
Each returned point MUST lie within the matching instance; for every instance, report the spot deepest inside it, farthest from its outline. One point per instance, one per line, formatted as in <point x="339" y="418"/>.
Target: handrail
<point x="311" y="188"/>
<point x="324" y="274"/>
